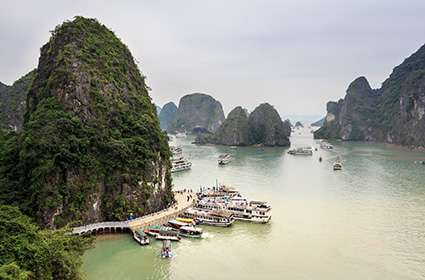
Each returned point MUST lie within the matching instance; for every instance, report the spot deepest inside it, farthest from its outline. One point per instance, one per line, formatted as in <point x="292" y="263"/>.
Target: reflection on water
<point x="365" y="222"/>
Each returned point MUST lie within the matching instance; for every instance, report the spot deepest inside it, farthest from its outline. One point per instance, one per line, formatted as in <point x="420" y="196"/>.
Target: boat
<point x="308" y="151"/>
<point x="337" y="165"/>
<point x="177" y="151"/>
<point x="180" y="164"/>
<point x="190" y="231"/>
<point x="166" y="249"/>
<point x="178" y="224"/>
<point x="181" y="135"/>
<point x="210" y="218"/>
<point x="186" y="220"/>
<point x="241" y="208"/>
<point x="326" y="146"/>
<point x="162" y="233"/>
<point x="217" y="191"/>
<point x="141" y="237"/>
<point x="224" y="159"/>
<point x="168" y="235"/>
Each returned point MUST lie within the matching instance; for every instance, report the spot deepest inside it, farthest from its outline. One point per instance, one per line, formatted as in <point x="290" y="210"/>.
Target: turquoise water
<point x="365" y="222"/>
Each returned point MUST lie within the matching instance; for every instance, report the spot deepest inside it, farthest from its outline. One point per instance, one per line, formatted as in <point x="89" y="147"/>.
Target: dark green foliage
<point x="27" y="252"/>
<point x="91" y="135"/>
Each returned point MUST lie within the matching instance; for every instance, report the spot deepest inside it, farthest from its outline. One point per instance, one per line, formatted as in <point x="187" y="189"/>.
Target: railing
<point x="127" y="224"/>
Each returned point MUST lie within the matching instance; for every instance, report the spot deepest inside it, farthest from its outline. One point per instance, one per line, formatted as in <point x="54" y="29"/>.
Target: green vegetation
<point x="28" y="252"/>
<point x="91" y="135"/>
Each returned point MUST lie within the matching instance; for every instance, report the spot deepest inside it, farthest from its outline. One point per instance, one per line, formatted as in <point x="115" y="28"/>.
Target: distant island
<point x="196" y="112"/>
<point x="261" y="127"/>
<point x="393" y="113"/>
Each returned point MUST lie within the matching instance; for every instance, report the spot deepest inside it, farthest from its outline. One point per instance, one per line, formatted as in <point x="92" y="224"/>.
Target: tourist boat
<point x="180" y="164"/>
<point x="181" y="135"/>
<point x="301" y="151"/>
<point x="211" y="218"/>
<point x="186" y="220"/>
<point x="337" y="165"/>
<point x="141" y="237"/>
<point x="178" y="224"/>
<point x="217" y="191"/>
<point x="326" y="146"/>
<point x="190" y="231"/>
<point x="224" y="159"/>
<point x="162" y="233"/>
<point x="168" y="235"/>
<point x="241" y="208"/>
<point x="177" y="151"/>
<point x="166" y="249"/>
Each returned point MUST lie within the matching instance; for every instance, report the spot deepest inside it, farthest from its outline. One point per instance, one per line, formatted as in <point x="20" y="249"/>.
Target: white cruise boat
<point x="177" y="151"/>
<point x="326" y="146"/>
<point x="241" y="208"/>
<point x="180" y="164"/>
<point x="301" y="151"/>
<point x="218" y="218"/>
<point x="224" y="159"/>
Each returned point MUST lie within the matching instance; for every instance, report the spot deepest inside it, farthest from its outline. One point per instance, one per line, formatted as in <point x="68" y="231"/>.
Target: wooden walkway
<point x="182" y="203"/>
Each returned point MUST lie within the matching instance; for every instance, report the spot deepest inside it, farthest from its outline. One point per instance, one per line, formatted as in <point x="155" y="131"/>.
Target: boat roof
<point x="191" y="228"/>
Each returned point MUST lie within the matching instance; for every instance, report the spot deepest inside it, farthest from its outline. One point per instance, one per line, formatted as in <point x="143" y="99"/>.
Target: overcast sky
<point x="296" y="55"/>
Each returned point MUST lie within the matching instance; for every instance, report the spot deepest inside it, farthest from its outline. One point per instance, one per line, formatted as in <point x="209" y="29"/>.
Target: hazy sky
<point x="296" y="55"/>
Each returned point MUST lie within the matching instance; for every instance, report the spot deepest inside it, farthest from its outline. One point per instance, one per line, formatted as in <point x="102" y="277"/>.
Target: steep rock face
<point x="319" y="123"/>
<point x="394" y="113"/>
<point x="234" y="130"/>
<point x="298" y="125"/>
<point x="91" y="148"/>
<point x="13" y="102"/>
<point x="198" y="110"/>
<point x="167" y="115"/>
<point x="267" y="128"/>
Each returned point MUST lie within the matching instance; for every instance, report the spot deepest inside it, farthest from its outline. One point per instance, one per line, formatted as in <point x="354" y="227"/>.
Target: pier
<point x="163" y="216"/>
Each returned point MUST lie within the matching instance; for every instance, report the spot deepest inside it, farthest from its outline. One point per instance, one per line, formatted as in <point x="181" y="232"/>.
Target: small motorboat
<point x="224" y="159"/>
<point x="190" y="231"/>
<point x="141" y="237"/>
<point x="166" y="249"/>
<point x="337" y="165"/>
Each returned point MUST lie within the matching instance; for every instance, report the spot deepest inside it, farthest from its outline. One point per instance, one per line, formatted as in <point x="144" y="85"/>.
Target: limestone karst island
<point x="212" y="140"/>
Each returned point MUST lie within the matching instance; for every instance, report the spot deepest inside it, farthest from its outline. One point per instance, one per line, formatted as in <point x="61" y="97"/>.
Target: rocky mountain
<point x="319" y="123"/>
<point x="262" y="127"/>
<point x="13" y="102"/>
<point x="393" y="113"/>
<point x="167" y="115"/>
<point x="198" y="111"/>
<point x="267" y="128"/>
<point x="298" y="125"/>
<point x="91" y="148"/>
<point x="234" y="130"/>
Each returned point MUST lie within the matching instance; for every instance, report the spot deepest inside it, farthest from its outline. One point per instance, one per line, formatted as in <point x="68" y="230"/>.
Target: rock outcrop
<point x="393" y="113"/>
<point x="267" y="128"/>
<point x="198" y="111"/>
<point x="167" y="115"/>
<point x="319" y="123"/>
<point x="298" y="124"/>
<point x="13" y="102"/>
<point x="91" y="148"/>
<point x="262" y="127"/>
<point x="234" y="130"/>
